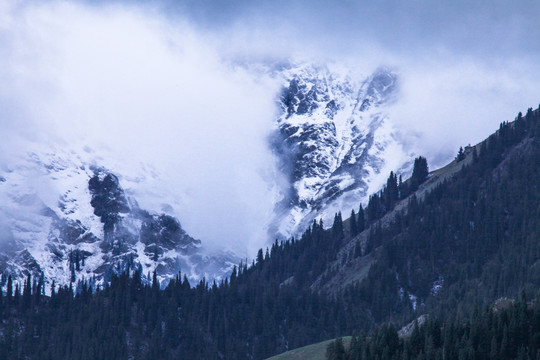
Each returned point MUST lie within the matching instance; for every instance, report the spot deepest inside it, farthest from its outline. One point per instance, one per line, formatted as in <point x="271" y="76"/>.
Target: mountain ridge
<point x="471" y="239"/>
<point x="93" y="230"/>
<point x="335" y="142"/>
<point x="333" y="139"/>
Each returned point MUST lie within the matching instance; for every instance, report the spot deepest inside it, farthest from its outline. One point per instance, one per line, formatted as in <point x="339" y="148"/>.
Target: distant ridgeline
<point x="442" y="244"/>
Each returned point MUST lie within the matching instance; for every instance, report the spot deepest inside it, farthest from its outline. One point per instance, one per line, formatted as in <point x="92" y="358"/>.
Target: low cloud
<point x="138" y="93"/>
<point x="447" y="104"/>
<point x="155" y="89"/>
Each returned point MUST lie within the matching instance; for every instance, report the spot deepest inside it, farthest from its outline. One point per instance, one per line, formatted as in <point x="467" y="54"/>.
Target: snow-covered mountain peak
<point x="65" y="220"/>
<point x="335" y="141"/>
<point x="81" y="211"/>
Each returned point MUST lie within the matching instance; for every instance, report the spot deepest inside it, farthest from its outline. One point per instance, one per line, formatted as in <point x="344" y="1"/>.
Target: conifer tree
<point x="375" y="208"/>
<point x="391" y="192"/>
<point x="420" y="172"/>
<point x="9" y="289"/>
<point x="357" y="249"/>
<point x="233" y="274"/>
<point x="155" y="281"/>
<point x="27" y="293"/>
<point x="361" y="223"/>
<point x="353" y="225"/>
<point x="460" y="155"/>
<point x="337" y="227"/>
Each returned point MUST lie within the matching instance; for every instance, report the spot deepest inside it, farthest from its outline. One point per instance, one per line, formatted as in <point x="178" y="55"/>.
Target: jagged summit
<point x="75" y="222"/>
<point x="335" y="142"/>
<point x="70" y="214"/>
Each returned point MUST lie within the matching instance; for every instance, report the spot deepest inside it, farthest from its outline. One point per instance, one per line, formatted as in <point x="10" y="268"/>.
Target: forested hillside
<point x="469" y="240"/>
<point x="507" y="330"/>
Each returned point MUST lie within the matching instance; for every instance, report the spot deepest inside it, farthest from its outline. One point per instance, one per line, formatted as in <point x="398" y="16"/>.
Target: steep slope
<point x="66" y="213"/>
<point x="467" y="236"/>
<point x="335" y="141"/>
<point x="467" y="241"/>
<point x="66" y="221"/>
<point x="337" y="277"/>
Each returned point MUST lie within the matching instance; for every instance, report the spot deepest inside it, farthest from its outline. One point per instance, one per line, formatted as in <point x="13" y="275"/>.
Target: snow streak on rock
<point x="68" y="215"/>
<point x="65" y="221"/>
<point x="335" y="141"/>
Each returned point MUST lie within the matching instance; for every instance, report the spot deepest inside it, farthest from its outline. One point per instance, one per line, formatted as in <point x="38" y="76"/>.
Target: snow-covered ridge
<point x="66" y="221"/>
<point x="71" y="214"/>
<point x="336" y="142"/>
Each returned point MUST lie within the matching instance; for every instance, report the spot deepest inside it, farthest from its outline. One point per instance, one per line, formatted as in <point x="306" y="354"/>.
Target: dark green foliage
<point x="384" y="201"/>
<point x="337" y="227"/>
<point x="508" y="333"/>
<point x="353" y="224"/>
<point x="420" y="172"/>
<point x="478" y="231"/>
<point x="375" y="208"/>
<point x="261" y="311"/>
<point x="336" y="350"/>
<point x="470" y="240"/>
<point x="391" y="192"/>
<point x="9" y="290"/>
<point x="361" y="223"/>
<point x="460" y="155"/>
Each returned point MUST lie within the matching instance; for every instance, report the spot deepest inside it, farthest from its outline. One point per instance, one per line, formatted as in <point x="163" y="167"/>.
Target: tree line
<point x="469" y="241"/>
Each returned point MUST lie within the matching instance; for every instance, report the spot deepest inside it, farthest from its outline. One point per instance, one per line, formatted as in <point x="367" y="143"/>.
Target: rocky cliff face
<point x="335" y="141"/>
<point x="66" y="216"/>
<point x="80" y="225"/>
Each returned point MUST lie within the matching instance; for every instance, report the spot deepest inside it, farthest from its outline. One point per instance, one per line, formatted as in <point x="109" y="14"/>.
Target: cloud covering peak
<point x="169" y="87"/>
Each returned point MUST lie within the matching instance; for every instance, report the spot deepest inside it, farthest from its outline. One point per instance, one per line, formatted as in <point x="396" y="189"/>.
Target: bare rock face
<point x="65" y="216"/>
<point x="93" y="231"/>
<point x="335" y="141"/>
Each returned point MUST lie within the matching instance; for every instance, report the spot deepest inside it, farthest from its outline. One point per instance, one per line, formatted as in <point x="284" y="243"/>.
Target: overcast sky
<point x="156" y="84"/>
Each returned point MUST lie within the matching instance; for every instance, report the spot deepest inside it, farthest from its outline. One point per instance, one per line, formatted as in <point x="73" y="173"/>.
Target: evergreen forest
<point x="450" y="252"/>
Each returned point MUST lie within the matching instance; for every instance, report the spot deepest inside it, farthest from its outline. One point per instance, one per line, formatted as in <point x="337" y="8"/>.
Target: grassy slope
<point x="311" y="352"/>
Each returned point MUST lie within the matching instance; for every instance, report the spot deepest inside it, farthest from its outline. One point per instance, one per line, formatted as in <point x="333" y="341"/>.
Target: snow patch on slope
<point x="336" y="142"/>
<point x="50" y="228"/>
